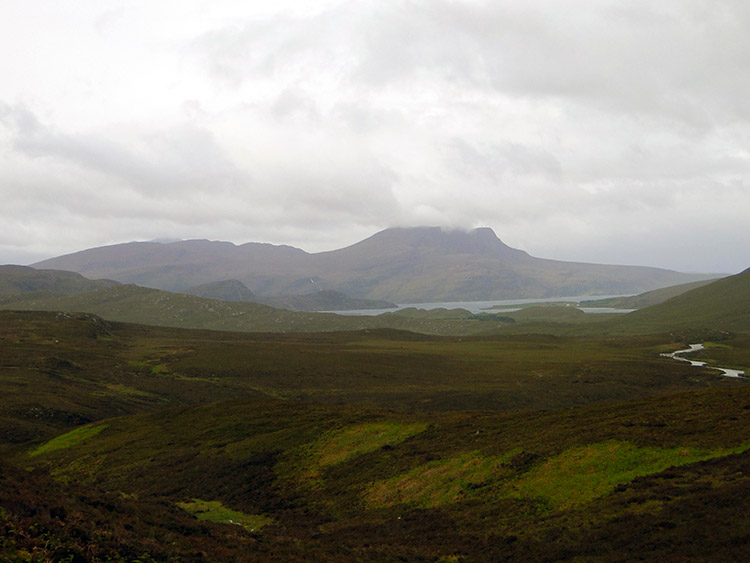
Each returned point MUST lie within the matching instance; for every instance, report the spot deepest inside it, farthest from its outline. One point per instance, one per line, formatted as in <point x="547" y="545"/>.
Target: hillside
<point x="645" y="299"/>
<point x="401" y="265"/>
<point x="17" y="282"/>
<point x="134" y="304"/>
<point x="722" y="305"/>
<point x="322" y="300"/>
<point x="224" y="290"/>
<point x="325" y="300"/>
<point x="375" y="486"/>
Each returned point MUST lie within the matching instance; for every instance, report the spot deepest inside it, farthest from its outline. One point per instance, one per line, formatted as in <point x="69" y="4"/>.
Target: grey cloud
<point x="502" y="162"/>
<point x="674" y="59"/>
<point x="277" y="45"/>
<point x="165" y="164"/>
<point x="366" y="195"/>
<point x="294" y="102"/>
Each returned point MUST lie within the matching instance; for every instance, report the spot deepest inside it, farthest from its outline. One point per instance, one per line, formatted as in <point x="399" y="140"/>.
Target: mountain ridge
<point x="416" y="264"/>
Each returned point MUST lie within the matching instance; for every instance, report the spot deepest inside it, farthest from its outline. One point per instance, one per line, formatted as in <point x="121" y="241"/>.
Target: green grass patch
<point x="581" y="474"/>
<point x="575" y="477"/>
<point x="720" y="345"/>
<point x="120" y="389"/>
<point x="159" y="369"/>
<point x="214" y="511"/>
<point x="340" y="445"/>
<point x="439" y="482"/>
<point x="155" y="369"/>
<point x="72" y="438"/>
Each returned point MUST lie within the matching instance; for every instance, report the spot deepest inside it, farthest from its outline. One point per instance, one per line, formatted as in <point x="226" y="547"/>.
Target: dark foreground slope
<point x="664" y="479"/>
<point x="399" y="265"/>
<point x="125" y="443"/>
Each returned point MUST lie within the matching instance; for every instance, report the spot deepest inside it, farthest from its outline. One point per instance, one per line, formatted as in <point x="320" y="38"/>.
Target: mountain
<point x="323" y="300"/>
<point x="401" y="264"/>
<point x="19" y="282"/>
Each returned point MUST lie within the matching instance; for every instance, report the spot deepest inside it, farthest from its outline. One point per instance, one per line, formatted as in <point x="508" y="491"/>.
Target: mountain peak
<point x="481" y="241"/>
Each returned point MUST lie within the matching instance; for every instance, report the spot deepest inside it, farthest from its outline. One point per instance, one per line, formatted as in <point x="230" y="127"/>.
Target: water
<point x="487" y="306"/>
<point x="605" y="310"/>
<point x="728" y="372"/>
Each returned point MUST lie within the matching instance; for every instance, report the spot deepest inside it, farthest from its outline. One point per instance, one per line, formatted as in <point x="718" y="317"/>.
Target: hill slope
<point x="323" y="300"/>
<point x="645" y="299"/>
<point x="17" y="282"/>
<point x="722" y="305"/>
<point x="612" y="483"/>
<point x="224" y="290"/>
<point x="134" y="304"/>
<point x="401" y="265"/>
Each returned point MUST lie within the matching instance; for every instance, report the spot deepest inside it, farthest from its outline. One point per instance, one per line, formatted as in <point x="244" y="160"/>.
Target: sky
<point x="607" y="131"/>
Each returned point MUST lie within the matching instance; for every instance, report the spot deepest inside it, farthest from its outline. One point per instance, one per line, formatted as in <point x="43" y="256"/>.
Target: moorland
<point x="541" y="435"/>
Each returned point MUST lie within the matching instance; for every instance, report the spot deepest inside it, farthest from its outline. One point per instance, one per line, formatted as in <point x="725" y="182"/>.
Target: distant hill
<point x="19" y="282"/>
<point x="225" y="290"/>
<point x="402" y="265"/>
<point x="324" y="300"/>
<point x="645" y="299"/>
<point x="722" y="305"/>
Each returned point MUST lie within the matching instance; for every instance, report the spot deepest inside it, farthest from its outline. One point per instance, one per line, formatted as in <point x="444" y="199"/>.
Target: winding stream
<point x="694" y="348"/>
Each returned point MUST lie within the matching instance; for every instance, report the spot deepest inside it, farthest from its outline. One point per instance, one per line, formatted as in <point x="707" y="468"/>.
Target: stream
<point x="694" y="348"/>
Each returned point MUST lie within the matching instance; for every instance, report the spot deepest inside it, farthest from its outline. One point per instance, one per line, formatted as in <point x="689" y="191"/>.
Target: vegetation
<point x="68" y="439"/>
<point x="341" y="445"/>
<point x="539" y="440"/>
<point x="214" y="511"/>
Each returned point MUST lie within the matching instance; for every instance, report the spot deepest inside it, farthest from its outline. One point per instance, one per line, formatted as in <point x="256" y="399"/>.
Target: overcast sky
<point x="611" y="131"/>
